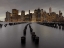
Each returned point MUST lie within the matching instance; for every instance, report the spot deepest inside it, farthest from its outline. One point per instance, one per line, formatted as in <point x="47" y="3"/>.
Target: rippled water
<point x="10" y="37"/>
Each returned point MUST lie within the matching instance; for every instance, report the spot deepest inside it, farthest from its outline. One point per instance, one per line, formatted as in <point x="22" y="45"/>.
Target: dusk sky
<point x="8" y="5"/>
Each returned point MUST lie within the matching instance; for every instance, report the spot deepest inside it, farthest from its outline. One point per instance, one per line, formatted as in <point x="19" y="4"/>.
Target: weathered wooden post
<point x="23" y="40"/>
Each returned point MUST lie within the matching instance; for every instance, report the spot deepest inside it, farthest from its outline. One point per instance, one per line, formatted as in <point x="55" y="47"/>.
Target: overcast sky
<point x="8" y="5"/>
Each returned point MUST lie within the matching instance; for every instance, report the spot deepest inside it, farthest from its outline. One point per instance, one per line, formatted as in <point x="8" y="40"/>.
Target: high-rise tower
<point x="60" y="13"/>
<point x="22" y="15"/>
<point x="8" y="15"/>
<point x="29" y="11"/>
<point x="50" y="10"/>
<point x="14" y="12"/>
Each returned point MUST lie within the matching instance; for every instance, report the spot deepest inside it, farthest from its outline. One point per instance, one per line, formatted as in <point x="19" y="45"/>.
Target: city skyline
<point x="39" y="15"/>
<point x="32" y="11"/>
<point x="7" y="5"/>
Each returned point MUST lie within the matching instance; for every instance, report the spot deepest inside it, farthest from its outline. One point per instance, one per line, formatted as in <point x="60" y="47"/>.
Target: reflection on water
<point x="10" y="37"/>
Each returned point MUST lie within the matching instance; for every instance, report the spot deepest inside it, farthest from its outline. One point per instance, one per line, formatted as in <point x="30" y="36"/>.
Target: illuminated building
<point x="22" y="15"/>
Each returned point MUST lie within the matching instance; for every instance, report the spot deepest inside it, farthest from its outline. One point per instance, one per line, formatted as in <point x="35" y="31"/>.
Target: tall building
<point x="60" y="13"/>
<point x="41" y="14"/>
<point x="29" y="11"/>
<point x="44" y="16"/>
<point x="38" y="15"/>
<point x="14" y="17"/>
<point x="14" y="12"/>
<point x="8" y="15"/>
<point x="38" y="10"/>
<point x="30" y="16"/>
<point x="22" y="15"/>
<point x="41" y="11"/>
<point x="50" y="10"/>
<point x="35" y="13"/>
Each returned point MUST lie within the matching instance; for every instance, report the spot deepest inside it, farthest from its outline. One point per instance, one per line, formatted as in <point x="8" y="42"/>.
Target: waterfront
<point x="10" y="36"/>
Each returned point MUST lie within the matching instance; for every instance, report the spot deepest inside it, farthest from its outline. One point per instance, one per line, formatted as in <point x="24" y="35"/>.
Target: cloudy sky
<point x="8" y="5"/>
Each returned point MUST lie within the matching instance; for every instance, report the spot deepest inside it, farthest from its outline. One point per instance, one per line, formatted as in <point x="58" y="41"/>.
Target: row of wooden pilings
<point x="34" y="37"/>
<point x="54" y="25"/>
<point x="11" y="24"/>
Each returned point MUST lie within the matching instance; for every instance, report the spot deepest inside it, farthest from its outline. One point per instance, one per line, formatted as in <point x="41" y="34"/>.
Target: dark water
<point x="10" y="37"/>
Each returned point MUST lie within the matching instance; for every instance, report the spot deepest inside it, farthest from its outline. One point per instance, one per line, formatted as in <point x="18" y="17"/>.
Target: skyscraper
<point x="50" y="10"/>
<point x="8" y="15"/>
<point x="38" y="15"/>
<point x="29" y="11"/>
<point x="14" y="12"/>
<point x="41" y="11"/>
<point x="60" y="13"/>
<point x="41" y="14"/>
<point x="22" y="15"/>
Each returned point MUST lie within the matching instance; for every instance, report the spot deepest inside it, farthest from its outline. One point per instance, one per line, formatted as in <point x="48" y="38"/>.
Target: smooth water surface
<point x="10" y="36"/>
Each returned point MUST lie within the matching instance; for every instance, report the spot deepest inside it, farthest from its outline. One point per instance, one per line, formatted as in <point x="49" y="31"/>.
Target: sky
<point x="8" y="5"/>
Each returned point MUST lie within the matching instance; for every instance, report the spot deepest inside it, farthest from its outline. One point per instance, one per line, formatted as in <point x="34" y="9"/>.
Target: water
<point x="10" y="37"/>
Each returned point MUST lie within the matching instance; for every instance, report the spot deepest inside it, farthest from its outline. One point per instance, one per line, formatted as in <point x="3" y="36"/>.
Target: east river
<point x="10" y="36"/>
